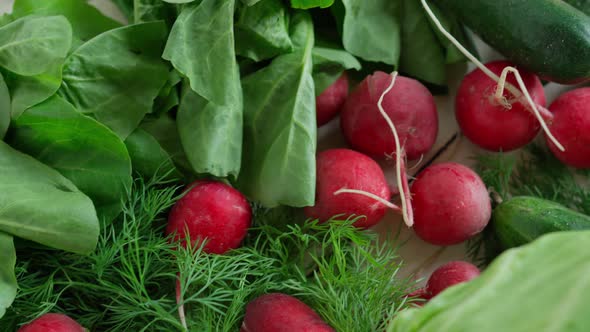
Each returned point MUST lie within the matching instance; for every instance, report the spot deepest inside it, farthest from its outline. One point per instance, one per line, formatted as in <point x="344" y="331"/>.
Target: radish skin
<point x="329" y="102"/>
<point x="52" y="322"/>
<point x="448" y="275"/>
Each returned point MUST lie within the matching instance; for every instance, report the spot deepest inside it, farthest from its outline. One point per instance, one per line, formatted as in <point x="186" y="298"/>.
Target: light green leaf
<point x="422" y="56"/>
<point x="328" y="65"/>
<point x="4" y="108"/>
<point x="39" y="204"/>
<point x="250" y="2"/>
<point x="86" y="20"/>
<point x="371" y="30"/>
<point x="278" y="166"/>
<point x="306" y="4"/>
<point x="543" y="286"/>
<point x="80" y="148"/>
<point x="165" y="131"/>
<point x="153" y="10"/>
<point x="116" y="76"/>
<point x="211" y="134"/>
<point x="8" y="283"/>
<point x="178" y="1"/>
<point x="147" y="156"/>
<point x="32" y="45"/>
<point x="168" y="96"/>
<point x="262" y="30"/>
<point x="126" y="8"/>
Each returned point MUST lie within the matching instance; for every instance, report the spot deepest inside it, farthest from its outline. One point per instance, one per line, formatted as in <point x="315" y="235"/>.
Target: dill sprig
<point x="128" y="284"/>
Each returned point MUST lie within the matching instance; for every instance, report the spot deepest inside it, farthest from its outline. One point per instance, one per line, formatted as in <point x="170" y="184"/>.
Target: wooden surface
<point x="415" y="253"/>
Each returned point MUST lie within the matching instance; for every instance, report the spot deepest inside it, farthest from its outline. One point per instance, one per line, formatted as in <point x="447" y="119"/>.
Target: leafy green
<point x="80" y="148"/>
<point x="250" y="2"/>
<point x="126" y="7"/>
<point x="371" y="30"/>
<point x="85" y="19"/>
<point x="7" y="277"/>
<point x="39" y="204"/>
<point x="328" y="65"/>
<point x="168" y="96"/>
<point x="153" y="10"/>
<point x="211" y="135"/>
<point x="4" y="108"/>
<point x="262" y="30"/>
<point x="165" y="131"/>
<point x="306" y="4"/>
<point x="116" y="76"/>
<point x="32" y="45"/>
<point x="147" y="156"/>
<point x="203" y="34"/>
<point x="278" y="164"/>
<point x="178" y="1"/>
<point x="542" y="286"/>
<point x="450" y="22"/>
<point x="583" y="5"/>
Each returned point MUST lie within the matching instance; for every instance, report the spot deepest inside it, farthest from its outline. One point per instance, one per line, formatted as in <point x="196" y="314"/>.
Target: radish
<point x="451" y="204"/>
<point x="213" y="211"/>
<point x="448" y="275"/>
<point x="329" y="102"/>
<point x="278" y="312"/>
<point x="571" y="125"/>
<point x="52" y="323"/>
<point x="409" y="105"/>
<point x="341" y="175"/>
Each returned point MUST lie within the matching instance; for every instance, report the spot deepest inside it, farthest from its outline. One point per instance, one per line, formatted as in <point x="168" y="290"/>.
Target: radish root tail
<point x="370" y="195"/>
<point x="179" y="302"/>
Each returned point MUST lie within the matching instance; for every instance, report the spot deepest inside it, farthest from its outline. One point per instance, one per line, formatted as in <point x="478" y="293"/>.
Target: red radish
<point x="571" y="126"/>
<point x="451" y="204"/>
<point x="347" y="169"/>
<point x="214" y="211"/>
<point x="329" y="102"/>
<point x="409" y="105"/>
<point x="489" y="124"/>
<point x="278" y="312"/>
<point x="448" y="275"/>
<point x="52" y="323"/>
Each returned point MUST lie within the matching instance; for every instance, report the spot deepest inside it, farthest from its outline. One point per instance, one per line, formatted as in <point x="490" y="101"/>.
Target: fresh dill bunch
<point x="129" y="282"/>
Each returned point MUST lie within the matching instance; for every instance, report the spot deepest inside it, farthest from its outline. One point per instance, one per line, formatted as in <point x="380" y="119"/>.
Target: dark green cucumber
<point x="547" y="37"/>
<point x="583" y="5"/>
<point x="521" y="220"/>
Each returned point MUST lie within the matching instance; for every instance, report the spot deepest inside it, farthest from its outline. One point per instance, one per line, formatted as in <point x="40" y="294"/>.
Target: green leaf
<point x="328" y="65"/>
<point x="147" y="156"/>
<point x="116" y="76"/>
<point x="422" y="56"/>
<point x="126" y="8"/>
<point x="371" y="30"/>
<point x="8" y="283"/>
<point x="86" y="20"/>
<point x="250" y="2"/>
<point x="211" y="135"/>
<point x="168" y="96"/>
<point x="4" y="108"/>
<point x="262" y="30"/>
<point x="39" y="204"/>
<point x="542" y="286"/>
<point x="153" y="10"/>
<point x="451" y="24"/>
<point x="178" y="1"/>
<point x="278" y="164"/>
<point x="32" y="45"/>
<point x="164" y="130"/>
<point x="306" y="4"/>
<point x="583" y="5"/>
<point x="80" y="148"/>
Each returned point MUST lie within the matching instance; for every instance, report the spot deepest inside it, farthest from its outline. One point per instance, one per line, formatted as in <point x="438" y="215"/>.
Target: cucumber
<point x="583" y="5"/>
<point x="521" y="220"/>
<point x="547" y="37"/>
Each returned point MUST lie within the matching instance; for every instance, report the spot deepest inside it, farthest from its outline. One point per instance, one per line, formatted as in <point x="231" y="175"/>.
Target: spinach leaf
<point x="201" y="47"/>
<point x="542" y="286"/>
<point x="211" y="134"/>
<point x="583" y="5"/>
<point x="371" y="30"/>
<point x="4" y="108"/>
<point x="250" y="2"/>
<point x="86" y="20"/>
<point x="422" y="56"/>
<point x="165" y="131"/>
<point x="306" y="4"/>
<point x="328" y="65"/>
<point x="451" y="24"/>
<point x="262" y="30"/>
<point x="32" y="45"/>
<point x="39" y="204"/>
<point x="80" y="148"/>
<point x="178" y="1"/>
<point x="126" y="8"/>
<point x="280" y="131"/>
<point x="5" y="19"/>
<point x="116" y="76"/>
<point x="147" y="156"/>
<point x="168" y="96"/>
<point x="153" y="10"/>
<point x="8" y="283"/>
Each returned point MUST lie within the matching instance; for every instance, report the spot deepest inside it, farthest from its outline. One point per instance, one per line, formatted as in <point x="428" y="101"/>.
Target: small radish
<point x="52" y="323"/>
<point x="213" y="211"/>
<point x="344" y="169"/>
<point x="571" y="126"/>
<point x="329" y="102"/>
<point x="450" y="274"/>
<point x="409" y="105"/>
<point x="278" y="312"/>
<point x="451" y="204"/>
<point x="490" y="124"/>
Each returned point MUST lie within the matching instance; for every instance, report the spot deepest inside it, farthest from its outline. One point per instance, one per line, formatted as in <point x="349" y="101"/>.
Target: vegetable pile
<point x="163" y="174"/>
